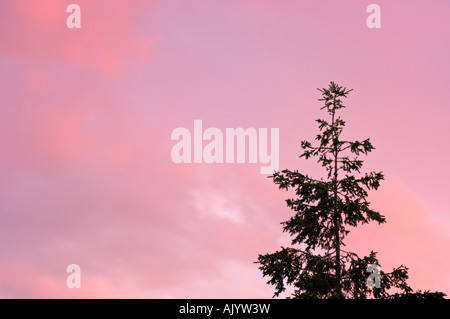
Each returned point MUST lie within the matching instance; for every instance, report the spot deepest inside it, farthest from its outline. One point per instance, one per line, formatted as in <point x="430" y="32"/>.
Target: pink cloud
<point x="86" y="173"/>
<point x="409" y="237"/>
<point x="28" y="281"/>
<point x="37" y="30"/>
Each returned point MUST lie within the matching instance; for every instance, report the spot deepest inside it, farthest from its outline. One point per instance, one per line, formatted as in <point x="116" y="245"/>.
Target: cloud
<point x="86" y="174"/>
<point x="134" y="233"/>
<point x="107" y="40"/>
<point x="410" y="237"/>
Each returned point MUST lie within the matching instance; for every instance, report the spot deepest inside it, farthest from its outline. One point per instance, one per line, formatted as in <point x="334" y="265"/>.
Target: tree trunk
<point x="336" y="213"/>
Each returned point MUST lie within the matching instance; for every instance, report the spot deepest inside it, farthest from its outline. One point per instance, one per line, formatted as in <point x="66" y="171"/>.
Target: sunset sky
<point x="86" y="116"/>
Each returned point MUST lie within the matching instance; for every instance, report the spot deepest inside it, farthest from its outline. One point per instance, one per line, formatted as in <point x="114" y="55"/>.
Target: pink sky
<point x="86" y="175"/>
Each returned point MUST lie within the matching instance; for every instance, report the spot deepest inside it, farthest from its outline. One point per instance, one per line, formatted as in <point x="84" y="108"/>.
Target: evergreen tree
<point x="324" y="210"/>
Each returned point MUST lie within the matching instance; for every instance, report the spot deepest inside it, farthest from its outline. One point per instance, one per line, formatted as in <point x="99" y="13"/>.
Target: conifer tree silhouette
<point x="324" y="209"/>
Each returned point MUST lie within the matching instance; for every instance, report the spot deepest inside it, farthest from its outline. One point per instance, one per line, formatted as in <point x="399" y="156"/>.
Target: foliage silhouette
<point x="324" y="210"/>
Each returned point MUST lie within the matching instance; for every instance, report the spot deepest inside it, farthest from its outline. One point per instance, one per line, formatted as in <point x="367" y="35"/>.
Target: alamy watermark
<point x="74" y="279"/>
<point x="374" y="19"/>
<point x="228" y="147"/>
<point x="74" y="19"/>
<point x="374" y="280"/>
